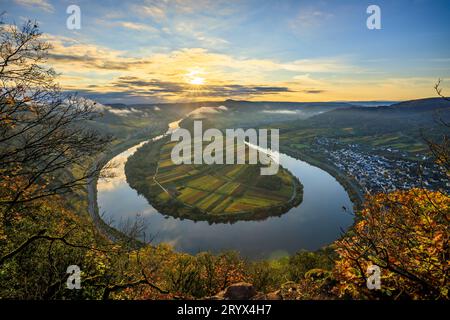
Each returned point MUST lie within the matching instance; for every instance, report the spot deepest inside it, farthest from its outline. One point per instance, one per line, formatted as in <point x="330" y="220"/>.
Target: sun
<point x="197" y="81"/>
<point x="194" y="77"/>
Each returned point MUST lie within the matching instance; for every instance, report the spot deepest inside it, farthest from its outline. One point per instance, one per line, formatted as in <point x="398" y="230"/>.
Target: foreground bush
<point x="406" y="234"/>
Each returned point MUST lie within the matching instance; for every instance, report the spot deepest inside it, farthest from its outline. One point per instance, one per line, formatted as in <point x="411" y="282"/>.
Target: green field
<point x="209" y="192"/>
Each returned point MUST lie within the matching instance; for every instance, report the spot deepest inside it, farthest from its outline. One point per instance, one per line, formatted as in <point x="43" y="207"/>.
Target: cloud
<point x="331" y="65"/>
<point x="93" y="62"/>
<point x="209" y="41"/>
<point x="190" y="30"/>
<point x="151" y="9"/>
<point x="280" y="111"/>
<point x="160" y="10"/>
<point x="117" y="75"/>
<point x="180" y="88"/>
<point x="243" y="90"/>
<point x="69" y="55"/>
<point x="136" y="26"/>
<point x="128" y="25"/>
<point x="150" y="86"/>
<point x="203" y="110"/>
<point x="141" y="90"/>
<point x="121" y="112"/>
<point x="313" y="91"/>
<point x="308" y="20"/>
<point x="41" y="4"/>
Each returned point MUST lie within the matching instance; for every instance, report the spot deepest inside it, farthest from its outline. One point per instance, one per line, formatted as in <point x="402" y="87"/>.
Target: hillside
<point x="397" y="116"/>
<point x="420" y="105"/>
<point x="406" y="120"/>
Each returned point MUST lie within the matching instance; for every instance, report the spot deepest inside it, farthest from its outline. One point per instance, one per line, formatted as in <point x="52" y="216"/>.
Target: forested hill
<point x="420" y="105"/>
<point x="409" y="114"/>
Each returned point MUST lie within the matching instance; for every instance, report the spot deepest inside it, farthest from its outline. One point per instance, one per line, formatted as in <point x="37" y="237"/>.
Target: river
<point x="317" y="221"/>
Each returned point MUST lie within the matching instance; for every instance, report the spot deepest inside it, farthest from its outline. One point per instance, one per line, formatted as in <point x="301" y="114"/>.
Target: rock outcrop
<point x="245" y="291"/>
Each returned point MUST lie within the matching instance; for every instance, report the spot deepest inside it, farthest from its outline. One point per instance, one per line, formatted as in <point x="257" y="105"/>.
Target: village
<point x="381" y="169"/>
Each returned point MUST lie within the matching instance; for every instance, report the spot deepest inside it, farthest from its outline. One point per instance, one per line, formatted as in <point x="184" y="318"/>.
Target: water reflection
<point x="317" y="221"/>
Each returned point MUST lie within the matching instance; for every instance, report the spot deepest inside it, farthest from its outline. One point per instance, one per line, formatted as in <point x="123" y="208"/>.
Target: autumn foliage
<point x="406" y="234"/>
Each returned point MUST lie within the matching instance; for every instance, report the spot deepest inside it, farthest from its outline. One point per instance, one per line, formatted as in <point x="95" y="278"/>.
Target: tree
<point x="44" y="138"/>
<point x="46" y="150"/>
<point x="441" y="150"/>
<point x="406" y="234"/>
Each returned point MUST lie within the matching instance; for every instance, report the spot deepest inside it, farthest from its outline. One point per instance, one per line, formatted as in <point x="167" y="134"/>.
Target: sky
<point x="152" y="51"/>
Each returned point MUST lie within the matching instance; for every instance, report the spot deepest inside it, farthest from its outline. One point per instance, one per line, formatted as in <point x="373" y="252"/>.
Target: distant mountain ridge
<point x="400" y="117"/>
<point x="426" y="104"/>
<point x="321" y="114"/>
<point x="241" y="103"/>
<point x="418" y="104"/>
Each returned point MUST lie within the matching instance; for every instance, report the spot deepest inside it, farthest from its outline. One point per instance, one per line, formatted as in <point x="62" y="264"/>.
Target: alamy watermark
<point x="73" y="21"/>
<point x="237" y="143"/>
<point x="374" y="20"/>
<point x="74" y="279"/>
<point x="374" y="278"/>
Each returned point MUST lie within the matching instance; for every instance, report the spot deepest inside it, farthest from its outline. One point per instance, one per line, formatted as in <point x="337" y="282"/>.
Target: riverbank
<point x="93" y="210"/>
<point x="353" y="189"/>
